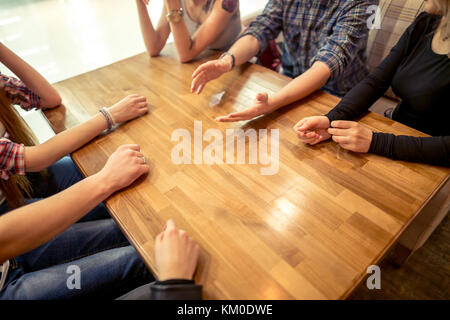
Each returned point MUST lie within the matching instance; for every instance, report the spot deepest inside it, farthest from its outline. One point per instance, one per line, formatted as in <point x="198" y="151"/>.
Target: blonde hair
<point x="16" y="187"/>
<point x="443" y="7"/>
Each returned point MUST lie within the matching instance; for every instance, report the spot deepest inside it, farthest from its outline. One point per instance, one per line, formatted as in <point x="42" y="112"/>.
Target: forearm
<point x="244" y="49"/>
<point x="41" y="156"/>
<point x="152" y="39"/>
<point x="302" y="86"/>
<point x="430" y="150"/>
<point x="181" y="37"/>
<point x="30" y="226"/>
<point x="38" y="84"/>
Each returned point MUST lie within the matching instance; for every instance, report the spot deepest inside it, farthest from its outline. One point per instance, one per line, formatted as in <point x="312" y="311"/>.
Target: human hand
<point x="260" y="106"/>
<point x="312" y="130"/>
<point x="209" y="71"/>
<point x="123" y="167"/>
<point x="129" y="108"/>
<point x="351" y="135"/>
<point x="176" y="253"/>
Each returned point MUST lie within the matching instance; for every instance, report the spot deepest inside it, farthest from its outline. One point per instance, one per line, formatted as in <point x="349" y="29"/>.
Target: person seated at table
<point x="19" y="157"/>
<point x="176" y="256"/>
<point x="418" y="69"/>
<point x="324" y="47"/>
<point x="47" y="246"/>
<point x="196" y="25"/>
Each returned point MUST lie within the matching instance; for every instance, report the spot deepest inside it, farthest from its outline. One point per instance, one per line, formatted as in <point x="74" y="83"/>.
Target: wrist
<point x="112" y="115"/>
<point x="172" y="5"/>
<point x="102" y="184"/>
<point x="228" y="59"/>
<point x="273" y="103"/>
<point x="173" y="275"/>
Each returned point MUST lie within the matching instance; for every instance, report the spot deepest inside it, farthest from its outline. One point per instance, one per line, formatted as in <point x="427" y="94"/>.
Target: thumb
<point x="306" y="125"/>
<point x="170" y="224"/>
<point x="262" y="97"/>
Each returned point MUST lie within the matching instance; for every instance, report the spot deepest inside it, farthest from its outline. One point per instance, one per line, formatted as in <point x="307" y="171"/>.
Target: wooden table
<point x="308" y="232"/>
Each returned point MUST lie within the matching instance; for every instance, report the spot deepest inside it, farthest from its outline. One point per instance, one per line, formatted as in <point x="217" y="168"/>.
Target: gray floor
<point x="426" y="275"/>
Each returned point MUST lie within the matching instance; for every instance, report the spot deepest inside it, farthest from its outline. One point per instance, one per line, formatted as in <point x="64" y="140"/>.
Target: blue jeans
<point x="93" y="249"/>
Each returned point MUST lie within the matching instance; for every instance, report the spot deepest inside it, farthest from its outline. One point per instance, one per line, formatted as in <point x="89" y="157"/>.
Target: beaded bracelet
<point x="113" y="121"/>
<point x="108" y="120"/>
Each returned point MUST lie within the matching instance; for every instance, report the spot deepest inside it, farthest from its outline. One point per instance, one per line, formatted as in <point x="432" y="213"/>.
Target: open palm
<point x="260" y="106"/>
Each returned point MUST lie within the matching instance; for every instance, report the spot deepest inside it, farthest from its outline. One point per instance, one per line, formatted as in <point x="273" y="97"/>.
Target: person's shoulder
<point x="422" y="25"/>
<point x="425" y="20"/>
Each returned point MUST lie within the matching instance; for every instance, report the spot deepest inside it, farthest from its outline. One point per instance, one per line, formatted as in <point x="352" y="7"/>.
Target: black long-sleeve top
<point x="174" y="289"/>
<point x="421" y="78"/>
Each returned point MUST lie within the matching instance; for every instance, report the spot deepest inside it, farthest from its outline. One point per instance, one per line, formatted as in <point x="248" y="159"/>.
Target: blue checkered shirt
<point x="333" y="32"/>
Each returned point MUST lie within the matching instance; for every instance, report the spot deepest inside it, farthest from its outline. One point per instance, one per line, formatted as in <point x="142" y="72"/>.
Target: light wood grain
<point x="308" y="232"/>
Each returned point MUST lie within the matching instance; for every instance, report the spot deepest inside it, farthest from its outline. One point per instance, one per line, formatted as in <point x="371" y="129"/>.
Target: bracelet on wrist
<point x="108" y="120"/>
<point x="113" y="121"/>
<point x="233" y="58"/>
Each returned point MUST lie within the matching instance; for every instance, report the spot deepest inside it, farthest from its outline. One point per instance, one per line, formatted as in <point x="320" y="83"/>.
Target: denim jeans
<point x="93" y="250"/>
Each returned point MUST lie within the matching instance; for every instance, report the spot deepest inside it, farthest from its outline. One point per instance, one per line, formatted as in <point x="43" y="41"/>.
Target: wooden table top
<point x="308" y="232"/>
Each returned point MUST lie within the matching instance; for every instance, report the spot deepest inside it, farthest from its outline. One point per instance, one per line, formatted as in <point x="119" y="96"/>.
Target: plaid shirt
<point x="12" y="154"/>
<point x="333" y="32"/>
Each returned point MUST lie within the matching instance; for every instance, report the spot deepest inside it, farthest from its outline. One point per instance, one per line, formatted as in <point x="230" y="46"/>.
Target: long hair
<point x="16" y="187"/>
<point x="443" y="6"/>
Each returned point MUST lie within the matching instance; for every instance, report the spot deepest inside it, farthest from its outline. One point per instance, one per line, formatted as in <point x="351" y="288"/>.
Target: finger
<point x="299" y="124"/>
<point x="261" y="97"/>
<point x="183" y="234"/>
<point x="302" y="134"/>
<point x="170" y="225"/>
<point x="195" y="83"/>
<point x="199" y="70"/>
<point x="144" y="169"/>
<point x="311" y="135"/>
<point x="233" y="117"/>
<point x="140" y="99"/>
<point x="306" y="125"/>
<point x="143" y="104"/>
<point x="192" y="86"/>
<point x="198" y="80"/>
<point x="315" y="141"/>
<point x="320" y="138"/>
<point x="202" y="79"/>
<point x="307" y="141"/>
<point x="143" y="109"/>
<point x="137" y="154"/>
<point x="302" y="137"/>
<point x="159" y="238"/>
<point x="343" y="124"/>
<point x="135" y="147"/>
<point x="196" y="250"/>
<point x="338" y="132"/>
<point x="200" y="88"/>
<point x="341" y="139"/>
